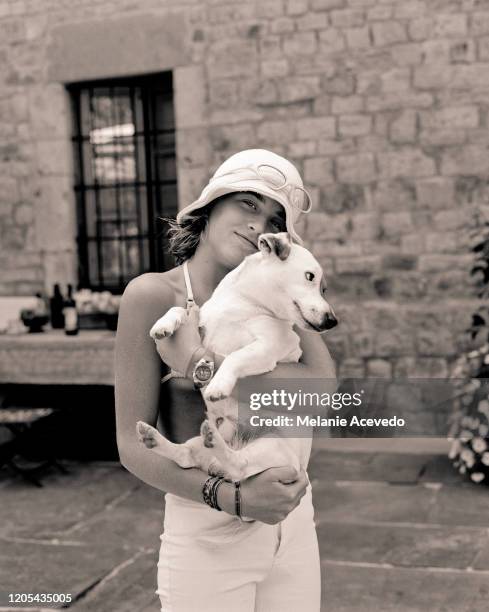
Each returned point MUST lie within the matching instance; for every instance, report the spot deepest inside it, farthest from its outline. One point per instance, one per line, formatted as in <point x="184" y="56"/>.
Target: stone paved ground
<point x="398" y="531"/>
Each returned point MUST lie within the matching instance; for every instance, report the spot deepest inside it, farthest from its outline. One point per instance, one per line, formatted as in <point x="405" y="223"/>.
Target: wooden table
<point x="53" y="358"/>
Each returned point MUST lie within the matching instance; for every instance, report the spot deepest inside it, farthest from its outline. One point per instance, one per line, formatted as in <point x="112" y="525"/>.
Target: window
<point x="125" y="177"/>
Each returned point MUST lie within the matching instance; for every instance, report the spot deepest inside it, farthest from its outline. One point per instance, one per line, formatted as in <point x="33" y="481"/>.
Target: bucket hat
<point x="261" y="171"/>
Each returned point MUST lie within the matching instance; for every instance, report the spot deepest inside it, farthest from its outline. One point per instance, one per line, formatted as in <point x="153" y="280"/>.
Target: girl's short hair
<point x="183" y="238"/>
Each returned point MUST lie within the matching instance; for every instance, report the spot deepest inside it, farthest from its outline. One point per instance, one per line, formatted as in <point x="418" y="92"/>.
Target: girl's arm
<point x="137" y="389"/>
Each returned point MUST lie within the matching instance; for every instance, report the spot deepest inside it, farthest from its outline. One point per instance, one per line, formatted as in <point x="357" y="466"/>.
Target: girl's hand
<point x="270" y="495"/>
<point x="177" y="350"/>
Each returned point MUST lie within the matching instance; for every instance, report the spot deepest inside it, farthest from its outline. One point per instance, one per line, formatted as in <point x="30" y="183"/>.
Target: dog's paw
<point x="147" y="435"/>
<point x="169" y="323"/>
<point x="218" y="389"/>
<point x="207" y="433"/>
<point x="163" y="328"/>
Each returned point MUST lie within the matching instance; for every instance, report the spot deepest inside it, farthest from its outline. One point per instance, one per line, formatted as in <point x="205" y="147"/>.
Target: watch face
<point x="203" y="372"/>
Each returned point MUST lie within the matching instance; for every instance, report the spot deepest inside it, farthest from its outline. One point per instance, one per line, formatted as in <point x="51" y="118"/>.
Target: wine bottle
<point x="56" y="308"/>
<point x="70" y="314"/>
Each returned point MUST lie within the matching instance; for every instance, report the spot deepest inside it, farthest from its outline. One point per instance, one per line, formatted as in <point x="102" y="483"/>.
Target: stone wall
<point x="382" y="104"/>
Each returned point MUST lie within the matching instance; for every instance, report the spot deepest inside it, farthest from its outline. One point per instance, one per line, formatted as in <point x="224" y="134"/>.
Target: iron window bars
<point x="125" y="177"/>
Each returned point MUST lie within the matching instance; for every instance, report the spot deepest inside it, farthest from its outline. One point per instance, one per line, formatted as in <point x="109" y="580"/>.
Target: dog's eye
<point x="309" y="276"/>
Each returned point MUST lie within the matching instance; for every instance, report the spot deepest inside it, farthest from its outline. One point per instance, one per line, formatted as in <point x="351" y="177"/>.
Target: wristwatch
<point x="203" y="372"/>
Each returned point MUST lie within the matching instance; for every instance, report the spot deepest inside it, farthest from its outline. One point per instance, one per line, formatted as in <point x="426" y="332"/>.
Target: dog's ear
<point x="278" y="244"/>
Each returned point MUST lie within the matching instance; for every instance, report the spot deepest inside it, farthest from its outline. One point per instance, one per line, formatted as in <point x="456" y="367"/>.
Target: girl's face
<point x="235" y="223"/>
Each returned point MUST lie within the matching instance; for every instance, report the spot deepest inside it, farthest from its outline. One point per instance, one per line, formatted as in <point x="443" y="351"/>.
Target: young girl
<point x="210" y="560"/>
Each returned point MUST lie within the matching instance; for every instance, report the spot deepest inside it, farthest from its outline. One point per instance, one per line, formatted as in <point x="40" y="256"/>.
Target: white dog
<point x="249" y="319"/>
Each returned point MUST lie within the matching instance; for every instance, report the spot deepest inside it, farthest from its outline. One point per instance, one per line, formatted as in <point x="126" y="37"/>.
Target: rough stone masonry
<point x="382" y="104"/>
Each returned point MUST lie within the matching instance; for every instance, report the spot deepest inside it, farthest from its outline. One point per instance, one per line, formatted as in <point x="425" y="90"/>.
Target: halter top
<point x="190" y="302"/>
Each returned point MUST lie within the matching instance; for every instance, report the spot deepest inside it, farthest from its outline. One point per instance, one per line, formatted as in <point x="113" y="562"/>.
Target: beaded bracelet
<point x="209" y="491"/>
<point x="237" y="498"/>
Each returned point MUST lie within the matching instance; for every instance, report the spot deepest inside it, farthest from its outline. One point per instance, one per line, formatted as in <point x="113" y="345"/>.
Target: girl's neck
<point x="205" y="274"/>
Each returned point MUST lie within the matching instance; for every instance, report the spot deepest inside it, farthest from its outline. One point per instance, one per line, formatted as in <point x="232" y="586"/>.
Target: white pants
<point x="212" y="562"/>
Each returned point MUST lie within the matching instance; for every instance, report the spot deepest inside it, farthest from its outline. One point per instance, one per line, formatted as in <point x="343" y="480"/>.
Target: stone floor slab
<point x="398" y="545"/>
<point x="360" y="502"/>
<point x="130" y="588"/>
<point x="353" y="588"/>
<point x="64" y="501"/>
<point x="55" y="568"/>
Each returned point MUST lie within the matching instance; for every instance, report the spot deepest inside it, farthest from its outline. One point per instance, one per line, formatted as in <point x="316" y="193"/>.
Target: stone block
<point x="362" y="344"/>
<point x="464" y="117"/>
<point x="235" y="115"/>
<point x="302" y="148"/>
<point x="479" y="23"/>
<point x="270" y="8"/>
<point x="276" y="132"/>
<point x="410" y="9"/>
<point x="191" y="181"/>
<point x="399" y="262"/>
<point x="298" y="88"/>
<point x="296" y="7"/>
<point x="356" y="168"/>
<point x="420" y="28"/>
<point x="378" y="368"/>
<point x="433" y="76"/>
<point x="190" y="104"/>
<point x="300" y="43"/>
<point x="270" y="47"/>
<point x="326" y="227"/>
<point x="232" y="58"/>
<point x="54" y="157"/>
<point x="471" y="160"/>
<point x="395" y="80"/>
<point x="403" y="129"/>
<point x="312" y="21"/>
<point x="318" y="171"/>
<point x="336" y="248"/>
<point x="483" y="48"/>
<point x="354" y="125"/>
<point x="446" y="25"/>
<point x="392" y="343"/>
<point x="326" y="5"/>
<point x="92" y="49"/>
<point x="395" y="101"/>
<point x="223" y="93"/>
<point x="282" y="25"/>
<point x="395" y="224"/>
<point x="443" y="262"/>
<point x="408" y="162"/>
<point x="331" y="41"/>
<point x="341" y="105"/>
<point x="365" y="265"/>
<point x="407" y="54"/>
<point x="49" y="111"/>
<point x="347" y="18"/>
<point x="343" y="197"/>
<point x="358" y="38"/>
<point x="412" y="243"/>
<point x="274" y="68"/>
<point x="351" y="368"/>
<point x="342" y="84"/>
<point x="364" y="226"/>
<point x="436" y="192"/>
<point x="463" y="51"/>
<point x="388" y="33"/>
<point x="470" y="76"/>
<point x="315" y="128"/>
<point x="54" y="212"/>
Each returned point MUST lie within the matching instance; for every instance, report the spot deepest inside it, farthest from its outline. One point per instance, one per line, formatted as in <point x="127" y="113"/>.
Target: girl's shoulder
<point x="151" y="290"/>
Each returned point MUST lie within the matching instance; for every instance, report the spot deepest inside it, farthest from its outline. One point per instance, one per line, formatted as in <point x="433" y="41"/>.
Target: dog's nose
<point x="329" y="321"/>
